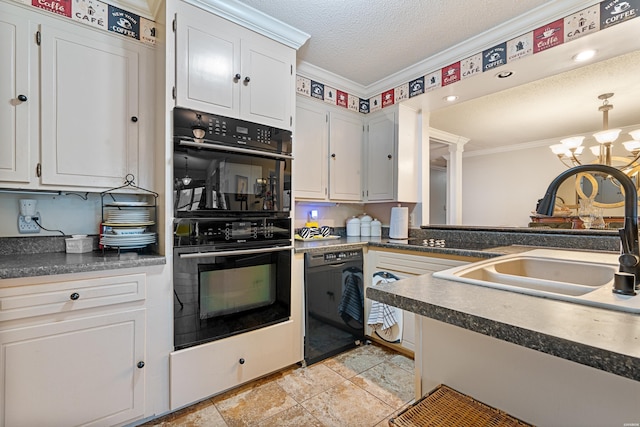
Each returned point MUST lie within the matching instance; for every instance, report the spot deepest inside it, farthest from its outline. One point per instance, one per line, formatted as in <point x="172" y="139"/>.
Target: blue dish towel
<point x="352" y="302"/>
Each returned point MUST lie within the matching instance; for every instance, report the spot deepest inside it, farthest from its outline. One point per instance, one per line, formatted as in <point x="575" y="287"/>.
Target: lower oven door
<point x="223" y="293"/>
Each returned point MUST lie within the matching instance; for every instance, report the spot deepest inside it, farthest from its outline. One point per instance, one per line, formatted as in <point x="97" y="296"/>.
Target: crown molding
<point x="535" y="144"/>
<point x="448" y="138"/>
<point x="504" y="32"/>
<point x="255" y="20"/>
<point x="316" y="73"/>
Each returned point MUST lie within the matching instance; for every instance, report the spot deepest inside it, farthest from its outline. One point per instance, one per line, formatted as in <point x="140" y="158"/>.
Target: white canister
<point x="353" y="227"/>
<point x="365" y="225"/>
<point x="376" y="228"/>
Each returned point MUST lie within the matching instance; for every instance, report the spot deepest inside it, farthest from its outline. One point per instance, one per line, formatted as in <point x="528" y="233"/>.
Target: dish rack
<point x="128" y="224"/>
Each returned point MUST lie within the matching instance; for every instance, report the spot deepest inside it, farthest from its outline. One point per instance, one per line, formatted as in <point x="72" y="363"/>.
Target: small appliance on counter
<point x="399" y="227"/>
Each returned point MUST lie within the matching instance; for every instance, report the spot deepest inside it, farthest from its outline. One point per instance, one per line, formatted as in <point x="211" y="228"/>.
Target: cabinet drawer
<point x="201" y="371"/>
<point x="48" y="298"/>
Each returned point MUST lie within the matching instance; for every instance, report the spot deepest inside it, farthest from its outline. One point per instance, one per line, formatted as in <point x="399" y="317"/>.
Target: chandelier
<point x="570" y="149"/>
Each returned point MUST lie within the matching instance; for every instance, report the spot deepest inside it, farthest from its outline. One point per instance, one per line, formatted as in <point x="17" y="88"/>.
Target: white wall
<point x="501" y="188"/>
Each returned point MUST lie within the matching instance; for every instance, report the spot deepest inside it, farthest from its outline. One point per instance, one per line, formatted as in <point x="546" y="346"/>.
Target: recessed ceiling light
<point x="504" y="74"/>
<point x="450" y="98"/>
<point x="585" y="55"/>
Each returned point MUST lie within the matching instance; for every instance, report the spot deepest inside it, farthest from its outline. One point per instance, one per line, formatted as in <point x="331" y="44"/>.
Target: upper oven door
<point x="213" y="180"/>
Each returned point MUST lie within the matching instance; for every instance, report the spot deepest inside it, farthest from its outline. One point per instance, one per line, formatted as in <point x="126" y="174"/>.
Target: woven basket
<point x="446" y="407"/>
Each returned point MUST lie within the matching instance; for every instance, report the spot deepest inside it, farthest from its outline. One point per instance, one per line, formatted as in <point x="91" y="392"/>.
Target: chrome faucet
<point x="627" y="279"/>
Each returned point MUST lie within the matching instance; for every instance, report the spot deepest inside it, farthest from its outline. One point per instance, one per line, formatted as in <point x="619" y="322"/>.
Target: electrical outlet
<point x="28" y="227"/>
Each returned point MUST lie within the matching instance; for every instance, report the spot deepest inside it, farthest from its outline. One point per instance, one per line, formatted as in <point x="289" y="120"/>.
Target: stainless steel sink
<point x="575" y="276"/>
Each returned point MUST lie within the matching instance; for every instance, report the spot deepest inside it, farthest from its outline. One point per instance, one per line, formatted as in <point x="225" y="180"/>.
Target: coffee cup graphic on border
<point x="124" y="23"/>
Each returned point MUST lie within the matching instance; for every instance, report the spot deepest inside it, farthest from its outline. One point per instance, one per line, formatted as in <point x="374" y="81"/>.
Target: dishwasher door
<point x="334" y="304"/>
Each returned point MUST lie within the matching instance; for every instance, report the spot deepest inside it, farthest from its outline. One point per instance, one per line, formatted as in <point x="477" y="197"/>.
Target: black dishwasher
<point x="334" y="303"/>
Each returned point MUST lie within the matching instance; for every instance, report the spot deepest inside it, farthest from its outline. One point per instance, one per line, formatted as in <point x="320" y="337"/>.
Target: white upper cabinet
<point x="18" y="96"/>
<point x="328" y="153"/>
<point x="345" y="161"/>
<point x="89" y="109"/>
<point x="310" y="144"/>
<point x="223" y="68"/>
<point x="381" y="156"/>
<point x="75" y="105"/>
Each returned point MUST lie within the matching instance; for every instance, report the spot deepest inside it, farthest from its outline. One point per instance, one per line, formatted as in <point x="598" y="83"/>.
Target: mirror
<point x="507" y="164"/>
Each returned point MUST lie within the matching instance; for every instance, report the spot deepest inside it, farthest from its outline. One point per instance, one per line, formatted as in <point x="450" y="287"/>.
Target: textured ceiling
<point x="368" y="40"/>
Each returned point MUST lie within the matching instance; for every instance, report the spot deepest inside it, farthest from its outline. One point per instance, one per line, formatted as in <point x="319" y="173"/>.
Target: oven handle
<point x="240" y="252"/>
<point x="235" y="150"/>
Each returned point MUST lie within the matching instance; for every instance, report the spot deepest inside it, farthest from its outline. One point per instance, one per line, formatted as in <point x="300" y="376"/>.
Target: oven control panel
<point x="190" y="232"/>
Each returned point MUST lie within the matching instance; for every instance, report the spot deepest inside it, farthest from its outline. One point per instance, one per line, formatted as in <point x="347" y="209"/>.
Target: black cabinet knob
<point x="140" y="364"/>
<point x="333" y="155"/>
<point x="134" y="119"/>
<point x="241" y="361"/>
<point x="22" y="98"/>
<point x="237" y="77"/>
<point x="388" y="156"/>
<point x="247" y="79"/>
<point x="74" y="296"/>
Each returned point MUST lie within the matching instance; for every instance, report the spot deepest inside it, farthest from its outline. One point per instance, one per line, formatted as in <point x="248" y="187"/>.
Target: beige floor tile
<point x="184" y="414"/>
<point x="347" y="405"/>
<point x="388" y="382"/>
<point x="358" y="360"/>
<point x="403" y="361"/>
<point x="253" y="404"/>
<point x="303" y="383"/>
<point x="205" y="416"/>
<point x="296" y="416"/>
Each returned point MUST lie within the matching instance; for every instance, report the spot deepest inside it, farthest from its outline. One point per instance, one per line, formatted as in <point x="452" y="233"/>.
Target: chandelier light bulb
<point x="595" y="150"/>
<point x="632" y="145"/>
<point x="607" y="136"/>
<point x="635" y="134"/>
<point x="558" y="149"/>
<point x="572" y="142"/>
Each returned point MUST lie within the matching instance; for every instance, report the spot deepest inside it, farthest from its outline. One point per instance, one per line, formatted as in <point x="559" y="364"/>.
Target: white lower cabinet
<point x="72" y="352"/>
<point x="403" y="264"/>
<point x="202" y="371"/>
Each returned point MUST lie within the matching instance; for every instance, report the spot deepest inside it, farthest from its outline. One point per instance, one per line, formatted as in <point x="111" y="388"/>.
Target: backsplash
<point x="62" y="214"/>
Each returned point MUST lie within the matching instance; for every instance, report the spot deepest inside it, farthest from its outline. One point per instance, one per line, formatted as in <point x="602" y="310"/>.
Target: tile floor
<point x="361" y="387"/>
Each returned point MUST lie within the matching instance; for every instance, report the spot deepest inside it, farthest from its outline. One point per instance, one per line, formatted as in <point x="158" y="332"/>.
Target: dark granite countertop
<point x="45" y="264"/>
<point x="603" y="339"/>
<point x="459" y="249"/>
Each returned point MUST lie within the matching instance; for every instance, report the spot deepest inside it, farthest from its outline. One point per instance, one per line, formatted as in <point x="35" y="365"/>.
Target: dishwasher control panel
<point x="333" y="257"/>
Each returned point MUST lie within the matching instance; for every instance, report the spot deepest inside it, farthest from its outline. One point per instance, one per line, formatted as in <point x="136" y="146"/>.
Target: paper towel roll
<point x="399" y="227"/>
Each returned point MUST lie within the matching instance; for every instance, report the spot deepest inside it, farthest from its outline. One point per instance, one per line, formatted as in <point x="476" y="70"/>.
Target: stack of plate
<point x="128" y="241"/>
<point x="137" y="216"/>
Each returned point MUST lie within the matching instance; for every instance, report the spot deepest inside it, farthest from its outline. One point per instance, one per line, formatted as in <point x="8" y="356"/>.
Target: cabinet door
<point x="74" y="372"/>
<point x="345" y="162"/>
<point x="89" y="86"/>
<point x="16" y="116"/>
<point x="267" y="86"/>
<point x="381" y="158"/>
<point x="207" y="61"/>
<point x="311" y="146"/>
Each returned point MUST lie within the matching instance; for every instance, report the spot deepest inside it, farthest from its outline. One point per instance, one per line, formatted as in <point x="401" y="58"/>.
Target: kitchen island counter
<point x="603" y="339"/>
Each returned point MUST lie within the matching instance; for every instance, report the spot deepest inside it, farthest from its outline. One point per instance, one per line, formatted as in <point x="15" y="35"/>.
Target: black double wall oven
<point x="232" y="229"/>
